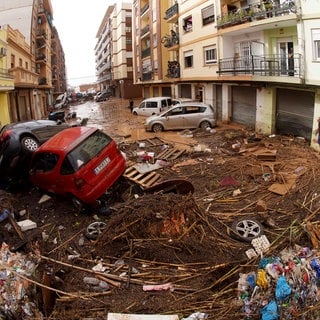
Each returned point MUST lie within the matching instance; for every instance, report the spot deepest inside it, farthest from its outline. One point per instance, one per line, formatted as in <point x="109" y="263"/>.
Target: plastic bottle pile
<point x="283" y="287"/>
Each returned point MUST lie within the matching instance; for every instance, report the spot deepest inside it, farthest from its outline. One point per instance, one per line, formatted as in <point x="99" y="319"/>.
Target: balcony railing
<point x="4" y="73"/>
<point x="171" y="11"/>
<point x="144" y="9"/>
<point x="268" y="65"/>
<point x="255" y="12"/>
<point x="146" y="52"/>
<point x="170" y="41"/>
<point x="147" y="76"/>
<point x="145" y="30"/>
<point x="173" y="69"/>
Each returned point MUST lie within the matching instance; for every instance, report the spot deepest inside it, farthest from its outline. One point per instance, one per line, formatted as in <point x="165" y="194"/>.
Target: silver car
<point x="187" y="115"/>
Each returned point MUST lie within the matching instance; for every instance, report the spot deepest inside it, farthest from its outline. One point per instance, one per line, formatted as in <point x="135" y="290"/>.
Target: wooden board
<point x="170" y="154"/>
<point x="146" y="180"/>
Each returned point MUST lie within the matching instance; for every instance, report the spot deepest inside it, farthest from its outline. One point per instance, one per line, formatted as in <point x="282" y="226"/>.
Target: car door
<point x="174" y="119"/>
<point x="192" y="117"/>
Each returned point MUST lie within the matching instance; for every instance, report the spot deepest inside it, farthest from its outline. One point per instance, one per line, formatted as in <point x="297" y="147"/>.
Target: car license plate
<point x="102" y="165"/>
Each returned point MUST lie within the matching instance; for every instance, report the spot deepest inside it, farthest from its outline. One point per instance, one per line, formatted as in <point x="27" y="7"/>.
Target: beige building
<point x="113" y="51"/>
<point x="6" y="80"/>
<point x="31" y="59"/>
<point x="256" y="60"/>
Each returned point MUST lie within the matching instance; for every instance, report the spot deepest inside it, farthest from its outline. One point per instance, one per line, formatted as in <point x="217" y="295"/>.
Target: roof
<point x="67" y="139"/>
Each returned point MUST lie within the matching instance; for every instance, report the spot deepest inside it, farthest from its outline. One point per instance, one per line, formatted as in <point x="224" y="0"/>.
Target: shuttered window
<point x="207" y="15"/>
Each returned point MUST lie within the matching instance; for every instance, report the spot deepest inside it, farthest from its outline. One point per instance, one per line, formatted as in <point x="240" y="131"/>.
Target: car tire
<point x="94" y="229"/>
<point x="157" y="127"/>
<point x="134" y="113"/>
<point x="205" y="125"/>
<point x="246" y="229"/>
<point x="29" y="144"/>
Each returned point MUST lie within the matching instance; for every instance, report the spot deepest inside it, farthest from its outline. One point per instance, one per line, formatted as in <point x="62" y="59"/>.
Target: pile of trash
<point x="15" y="289"/>
<point x="283" y="286"/>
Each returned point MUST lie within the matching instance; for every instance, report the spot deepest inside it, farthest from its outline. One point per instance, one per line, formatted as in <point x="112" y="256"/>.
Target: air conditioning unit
<point x="3" y="52"/>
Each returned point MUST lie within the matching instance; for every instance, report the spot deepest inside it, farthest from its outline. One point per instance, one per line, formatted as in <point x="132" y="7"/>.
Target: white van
<point x="151" y="106"/>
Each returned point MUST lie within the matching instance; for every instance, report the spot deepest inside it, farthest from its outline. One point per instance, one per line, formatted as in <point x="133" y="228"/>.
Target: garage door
<point x="244" y="106"/>
<point x="295" y="112"/>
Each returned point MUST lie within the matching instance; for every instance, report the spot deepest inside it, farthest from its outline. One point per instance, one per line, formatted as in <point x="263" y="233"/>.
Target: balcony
<point x="144" y="9"/>
<point x="146" y="52"/>
<point x="170" y="41"/>
<point x="172" y="11"/>
<point x="268" y="65"/>
<point x="4" y="74"/>
<point x="43" y="81"/>
<point x="173" y="69"/>
<point x="254" y="13"/>
<point x="146" y="76"/>
<point x="145" y="30"/>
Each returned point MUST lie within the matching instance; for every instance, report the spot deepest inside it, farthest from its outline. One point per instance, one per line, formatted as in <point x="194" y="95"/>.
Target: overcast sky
<point x="77" y="22"/>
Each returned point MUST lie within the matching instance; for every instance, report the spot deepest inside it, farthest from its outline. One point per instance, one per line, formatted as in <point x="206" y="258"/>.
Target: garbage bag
<point x="315" y="265"/>
<point x="262" y="280"/>
<point x="270" y="311"/>
<point x="283" y="290"/>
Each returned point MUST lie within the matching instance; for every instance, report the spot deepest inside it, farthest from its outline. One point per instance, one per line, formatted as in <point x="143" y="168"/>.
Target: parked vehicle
<point x="18" y="141"/>
<point x="103" y="96"/>
<point x="152" y="106"/>
<point x="61" y="101"/>
<point x="182" y="100"/>
<point x="57" y="115"/>
<point x="80" y="162"/>
<point x="186" y="115"/>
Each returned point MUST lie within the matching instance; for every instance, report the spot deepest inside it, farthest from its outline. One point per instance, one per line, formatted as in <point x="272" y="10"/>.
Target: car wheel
<point x="134" y="113"/>
<point x="205" y="125"/>
<point x="95" y="229"/>
<point x="157" y="127"/>
<point x="246" y="229"/>
<point x="29" y="144"/>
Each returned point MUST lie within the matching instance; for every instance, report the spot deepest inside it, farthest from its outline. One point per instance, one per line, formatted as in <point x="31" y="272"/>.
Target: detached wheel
<point x="247" y="229"/>
<point x="157" y="127"/>
<point x="95" y="229"/>
<point x="29" y="144"/>
<point x="205" y="125"/>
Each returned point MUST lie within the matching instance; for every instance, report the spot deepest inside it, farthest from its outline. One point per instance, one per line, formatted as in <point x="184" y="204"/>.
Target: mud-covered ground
<point x="182" y="242"/>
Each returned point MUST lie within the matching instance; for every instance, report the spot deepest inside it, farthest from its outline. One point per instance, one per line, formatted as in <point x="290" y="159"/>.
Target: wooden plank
<point x="144" y="179"/>
<point x="170" y="154"/>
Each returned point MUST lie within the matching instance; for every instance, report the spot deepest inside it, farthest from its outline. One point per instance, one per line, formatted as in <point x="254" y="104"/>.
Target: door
<point x="286" y="57"/>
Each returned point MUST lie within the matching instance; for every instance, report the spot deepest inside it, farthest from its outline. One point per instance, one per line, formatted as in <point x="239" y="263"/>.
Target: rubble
<point x="181" y="241"/>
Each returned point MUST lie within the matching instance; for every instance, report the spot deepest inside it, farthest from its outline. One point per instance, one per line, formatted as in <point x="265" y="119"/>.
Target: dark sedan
<point x="18" y="141"/>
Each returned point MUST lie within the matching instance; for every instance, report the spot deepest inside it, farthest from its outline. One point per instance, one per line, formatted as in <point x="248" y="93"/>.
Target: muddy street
<point x="165" y="252"/>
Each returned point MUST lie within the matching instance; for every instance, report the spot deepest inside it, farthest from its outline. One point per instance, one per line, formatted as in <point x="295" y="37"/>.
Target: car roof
<point x="192" y="103"/>
<point x="156" y="98"/>
<point x="67" y="139"/>
<point x="32" y="123"/>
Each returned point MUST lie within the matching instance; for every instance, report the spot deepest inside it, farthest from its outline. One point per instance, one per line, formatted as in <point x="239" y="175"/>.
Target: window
<point x="207" y="15"/>
<point x="188" y="59"/>
<point x="316" y="44"/>
<point x="210" y="54"/>
<point x="187" y="24"/>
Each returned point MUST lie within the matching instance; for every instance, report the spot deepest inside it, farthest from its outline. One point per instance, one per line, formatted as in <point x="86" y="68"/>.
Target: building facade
<point x="31" y="60"/>
<point x="256" y="60"/>
<point x="6" y="80"/>
<point x="113" y="51"/>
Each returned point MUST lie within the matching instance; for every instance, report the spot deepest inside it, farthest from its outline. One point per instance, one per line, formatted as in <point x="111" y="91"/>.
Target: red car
<point x="80" y="162"/>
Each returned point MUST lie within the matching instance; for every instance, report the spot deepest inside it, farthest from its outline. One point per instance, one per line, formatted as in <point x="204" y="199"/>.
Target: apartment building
<point x="256" y="60"/>
<point x="58" y="65"/>
<point x="6" y="80"/>
<point x="29" y="56"/>
<point x="113" y="52"/>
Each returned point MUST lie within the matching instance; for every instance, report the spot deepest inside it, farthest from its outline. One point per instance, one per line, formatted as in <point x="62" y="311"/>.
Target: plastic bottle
<point x="4" y="214"/>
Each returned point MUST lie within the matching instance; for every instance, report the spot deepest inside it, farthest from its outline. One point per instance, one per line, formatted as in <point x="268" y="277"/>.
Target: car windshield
<point x="84" y="152"/>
